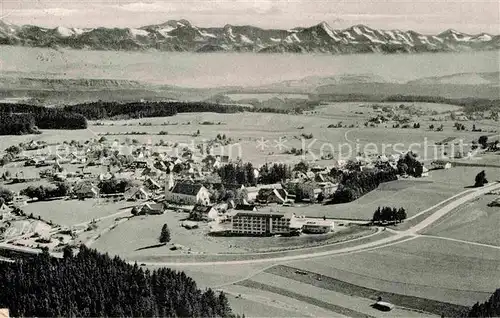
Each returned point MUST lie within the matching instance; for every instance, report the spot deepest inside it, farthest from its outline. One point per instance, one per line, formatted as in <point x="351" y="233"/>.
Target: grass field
<point x="325" y="282"/>
<point x="72" y="212"/>
<point x="414" y="195"/>
<point x="473" y="221"/>
<point x="317" y="295"/>
<point x="424" y="267"/>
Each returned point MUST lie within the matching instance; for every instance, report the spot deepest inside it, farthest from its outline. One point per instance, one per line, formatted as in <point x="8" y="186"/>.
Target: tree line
<point x="90" y="284"/>
<point x="355" y="184"/>
<point x="239" y="173"/>
<point x="42" y="193"/>
<point x="490" y="308"/>
<point x="106" y="110"/>
<point x="18" y="119"/>
<point x="388" y="215"/>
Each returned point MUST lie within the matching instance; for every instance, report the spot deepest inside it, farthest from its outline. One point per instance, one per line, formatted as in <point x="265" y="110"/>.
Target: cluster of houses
<point x="162" y="182"/>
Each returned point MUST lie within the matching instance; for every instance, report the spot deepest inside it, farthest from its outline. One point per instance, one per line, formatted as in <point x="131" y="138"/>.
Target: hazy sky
<point x="429" y="16"/>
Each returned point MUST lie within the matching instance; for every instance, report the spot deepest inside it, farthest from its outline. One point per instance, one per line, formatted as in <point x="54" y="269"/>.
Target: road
<point x="397" y="237"/>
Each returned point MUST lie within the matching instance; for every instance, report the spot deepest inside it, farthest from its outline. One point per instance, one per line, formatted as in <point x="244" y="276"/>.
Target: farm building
<point x="272" y="196"/>
<point x="152" y="184"/>
<point x="188" y="193"/>
<point x="135" y="194"/>
<point x="85" y="189"/>
<point x="152" y="208"/>
<point x="203" y="212"/>
<point x="318" y="226"/>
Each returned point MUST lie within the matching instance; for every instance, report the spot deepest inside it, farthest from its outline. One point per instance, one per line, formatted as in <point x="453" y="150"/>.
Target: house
<point x="85" y="190"/>
<point x="259" y="223"/>
<point x="203" y="212"/>
<point x="318" y="226"/>
<point x="152" y="208"/>
<point x="272" y="196"/>
<point x="188" y="193"/>
<point x="4" y="210"/>
<point x="440" y="164"/>
<point x="135" y="194"/>
<point x="152" y="184"/>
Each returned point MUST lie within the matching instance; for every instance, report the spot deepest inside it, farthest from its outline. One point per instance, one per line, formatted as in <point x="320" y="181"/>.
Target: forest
<point x="356" y="184"/>
<point x="90" y="284"/>
<point x="18" y="119"/>
<point x="490" y="308"/>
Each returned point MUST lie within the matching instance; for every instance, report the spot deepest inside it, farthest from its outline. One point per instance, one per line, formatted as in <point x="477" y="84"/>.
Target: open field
<point x="332" y="300"/>
<point x="473" y="221"/>
<point x="72" y="212"/>
<point x="454" y="272"/>
<point x="325" y="282"/>
<point x="260" y="303"/>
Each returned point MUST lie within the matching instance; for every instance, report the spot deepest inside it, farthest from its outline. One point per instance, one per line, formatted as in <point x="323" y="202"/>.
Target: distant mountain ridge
<point x="182" y="36"/>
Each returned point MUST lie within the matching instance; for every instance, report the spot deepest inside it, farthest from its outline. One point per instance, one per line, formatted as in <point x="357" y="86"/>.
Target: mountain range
<point x="182" y="36"/>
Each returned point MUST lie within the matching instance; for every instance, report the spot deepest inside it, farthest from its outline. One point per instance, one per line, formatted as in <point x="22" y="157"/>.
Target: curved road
<point x="397" y="238"/>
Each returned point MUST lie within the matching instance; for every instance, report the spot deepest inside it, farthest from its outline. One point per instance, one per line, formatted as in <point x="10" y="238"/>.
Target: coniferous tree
<point x="165" y="234"/>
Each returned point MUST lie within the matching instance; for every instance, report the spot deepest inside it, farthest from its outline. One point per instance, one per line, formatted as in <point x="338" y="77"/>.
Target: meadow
<point x="425" y="267"/>
<point x="474" y="221"/>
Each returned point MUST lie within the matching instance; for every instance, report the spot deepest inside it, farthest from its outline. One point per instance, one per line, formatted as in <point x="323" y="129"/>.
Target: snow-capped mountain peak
<point x="181" y="35"/>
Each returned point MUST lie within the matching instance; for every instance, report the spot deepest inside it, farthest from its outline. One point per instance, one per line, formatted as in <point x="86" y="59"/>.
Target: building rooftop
<point x="186" y="188"/>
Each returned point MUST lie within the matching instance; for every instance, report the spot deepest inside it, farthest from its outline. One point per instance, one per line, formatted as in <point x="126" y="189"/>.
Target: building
<point x="318" y="226"/>
<point x="272" y="196"/>
<point x="260" y="223"/>
<point x="152" y="184"/>
<point x="4" y="210"/>
<point x="152" y="208"/>
<point x="136" y="194"/>
<point x="188" y="193"/>
<point x="440" y="164"/>
<point x="85" y="190"/>
<point x="203" y="212"/>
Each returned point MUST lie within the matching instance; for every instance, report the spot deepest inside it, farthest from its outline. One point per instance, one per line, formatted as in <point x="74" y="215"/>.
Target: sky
<point x="426" y="16"/>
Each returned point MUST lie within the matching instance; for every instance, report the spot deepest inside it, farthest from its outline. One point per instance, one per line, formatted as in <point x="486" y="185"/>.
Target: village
<point x="271" y="200"/>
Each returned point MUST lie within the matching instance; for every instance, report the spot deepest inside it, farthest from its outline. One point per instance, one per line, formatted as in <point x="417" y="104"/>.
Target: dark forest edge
<point x="469" y="104"/>
<point x="18" y="119"/>
<point x="90" y="284"/>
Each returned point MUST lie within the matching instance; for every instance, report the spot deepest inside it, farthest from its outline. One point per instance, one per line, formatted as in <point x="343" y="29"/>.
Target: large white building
<point x="188" y="194"/>
<point x="261" y="223"/>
